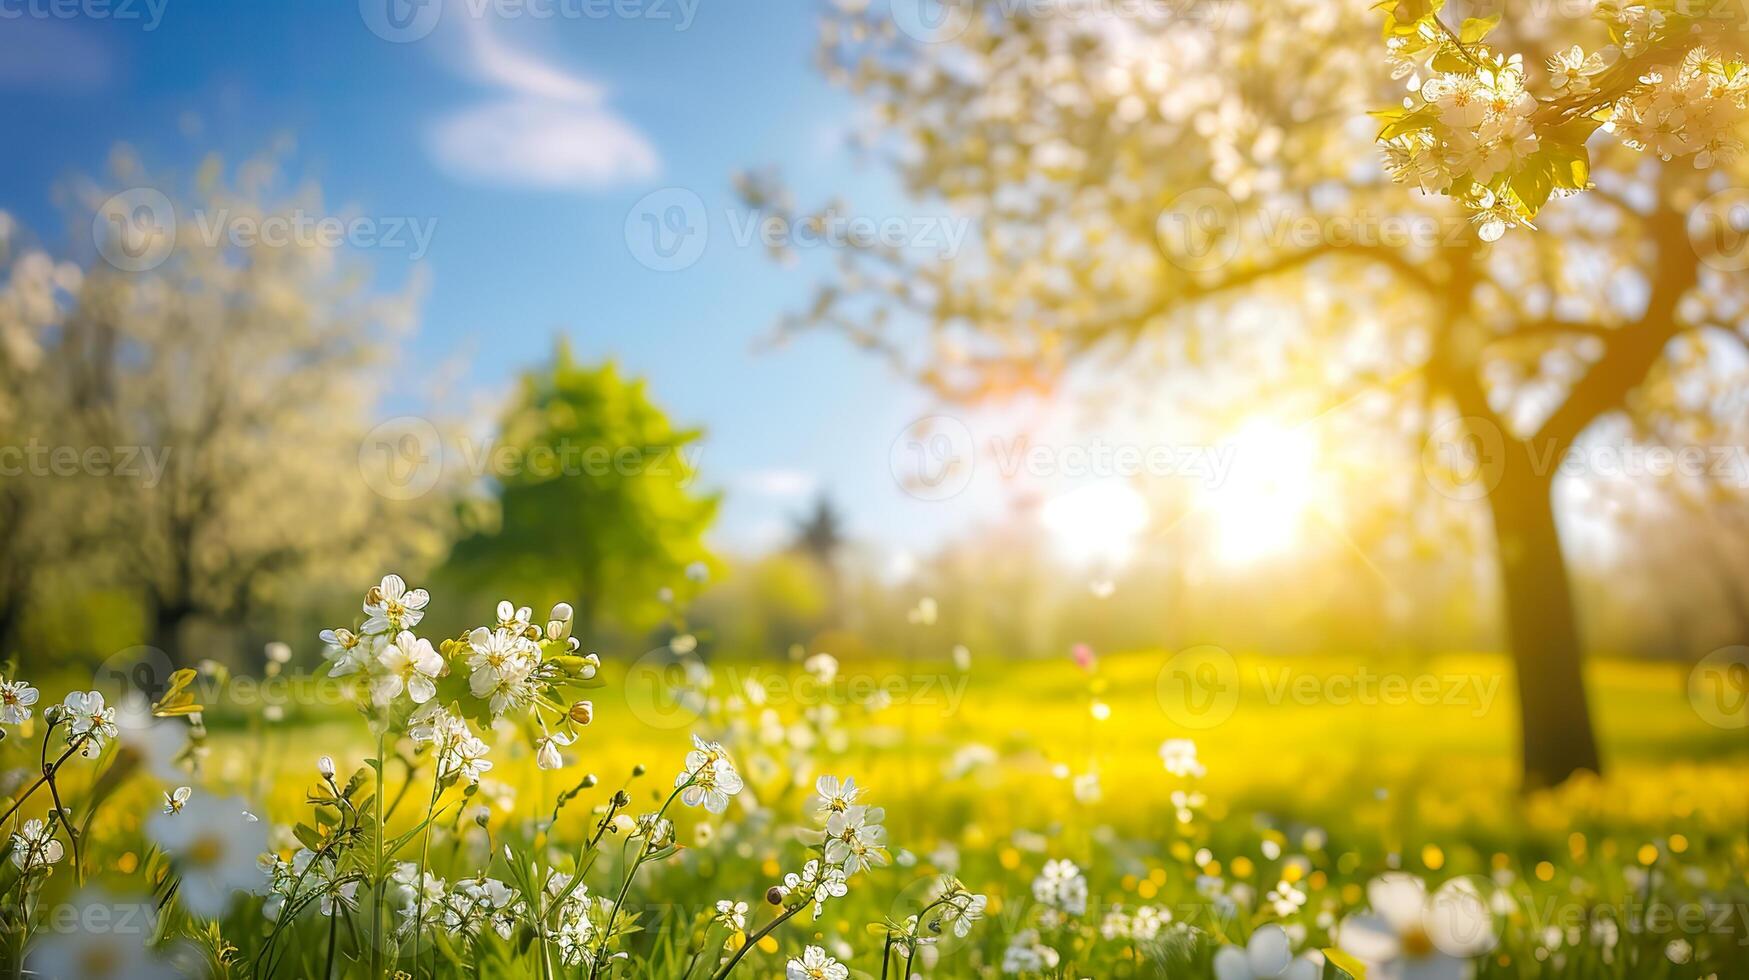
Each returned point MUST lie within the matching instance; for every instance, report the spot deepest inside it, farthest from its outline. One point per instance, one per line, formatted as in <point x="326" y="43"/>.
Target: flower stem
<point x="333" y="927"/>
<point x="42" y="780"/>
<point x="626" y="885"/>
<point x="753" y="940"/>
<point x="419" y="882"/>
<point x="376" y="909"/>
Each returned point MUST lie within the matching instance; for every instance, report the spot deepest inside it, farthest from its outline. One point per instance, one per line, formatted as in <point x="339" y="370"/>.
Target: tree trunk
<point x="1541" y="626"/>
<point x="167" y="622"/>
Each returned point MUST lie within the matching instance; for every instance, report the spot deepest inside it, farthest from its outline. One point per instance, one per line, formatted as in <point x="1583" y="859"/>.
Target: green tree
<point x="593" y="499"/>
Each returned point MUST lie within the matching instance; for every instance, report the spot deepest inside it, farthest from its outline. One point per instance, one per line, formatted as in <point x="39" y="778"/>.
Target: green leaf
<point x="397" y="843"/>
<point x="308" y="836"/>
<point x="1346" y="963"/>
<point x="1414" y="122"/>
<point x="1411" y="11"/>
<point x="1569" y="165"/>
<point x="1450" y="60"/>
<point x="1475" y="29"/>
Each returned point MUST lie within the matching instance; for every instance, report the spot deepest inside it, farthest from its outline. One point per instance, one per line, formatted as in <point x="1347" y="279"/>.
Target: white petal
<point x="1231" y="964"/>
<point x="1368" y="939"/>
<point x="1268" y="951"/>
<point x="1458" y="921"/>
<point x="1398" y="898"/>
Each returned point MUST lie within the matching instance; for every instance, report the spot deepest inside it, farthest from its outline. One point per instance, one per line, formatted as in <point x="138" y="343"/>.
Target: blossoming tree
<point x="1182" y="189"/>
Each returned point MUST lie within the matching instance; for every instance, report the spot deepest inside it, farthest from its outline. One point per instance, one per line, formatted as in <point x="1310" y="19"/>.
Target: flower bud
<point x="559" y="623"/>
<point x="582" y="712"/>
<point x="325" y="766"/>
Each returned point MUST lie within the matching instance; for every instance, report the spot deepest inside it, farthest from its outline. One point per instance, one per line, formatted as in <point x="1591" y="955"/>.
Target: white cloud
<point x="550" y="128"/>
<point x="778" y="483"/>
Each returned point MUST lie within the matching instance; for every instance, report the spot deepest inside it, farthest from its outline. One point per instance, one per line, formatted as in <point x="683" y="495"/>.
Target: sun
<point x="1258" y="508"/>
<point x="1097" y="524"/>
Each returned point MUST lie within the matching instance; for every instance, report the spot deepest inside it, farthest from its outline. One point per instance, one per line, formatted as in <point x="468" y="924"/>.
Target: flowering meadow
<point x="502" y="803"/>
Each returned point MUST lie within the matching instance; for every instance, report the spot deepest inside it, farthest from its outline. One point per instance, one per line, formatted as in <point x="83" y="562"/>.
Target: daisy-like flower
<point x="484" y="903"/>
<point x="832" y="796"/>
<point x="732" y="914"/>
<point x="814" y="964"/>
<point x="856" y="840"/>
<point x="1025" y="954"/>
<point x="35" y="846"/>
<point x="823" y="881"/>
<point x="347" y="652"/>
<point x="102" y="954"/>
<point x="546" y="754"/>
<point x="457" y="749"/>
<point x="215" y="846"/>
<point x="421" y="897"/>
<point x="1285" y="899"/>
<point x="391" y="606"/>
<point x="459" y="753"/>
<point x="1460" y="100"/>
<point x="1179" y="757"/>
<point x="1117" y="924"/>
<point x="1148" y="921"/>
<point x="502" y="665"/>
<point x="1571" y="71"/>
<point x="1268" y="955"/>
<point x="174" y="799"/>
<point x="88" y="721"/>
<point x="574" y="926"/>
<point x="1410" y="934"/>
<point x="410" y="664"/>
<point x="656" y="830"/>
<point x="1061" y="886"/>
<point x="710" y="778"/>
<point x="16" y="697"/>
<point x="964" y="913"/>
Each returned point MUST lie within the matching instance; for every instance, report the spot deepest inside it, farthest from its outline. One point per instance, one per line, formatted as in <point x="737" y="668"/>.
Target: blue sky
<point x="527" y="140"/>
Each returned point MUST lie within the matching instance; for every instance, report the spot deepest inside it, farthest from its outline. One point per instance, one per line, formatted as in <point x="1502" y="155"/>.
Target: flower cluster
<point x="1472" y="128"/>
<point x="509" y="666"/>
